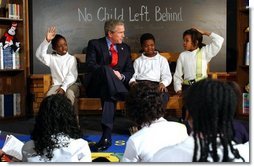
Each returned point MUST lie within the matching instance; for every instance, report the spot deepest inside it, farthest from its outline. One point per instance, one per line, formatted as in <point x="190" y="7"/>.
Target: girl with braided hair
<point x="211" y="105"/>
<point x="56" y="136"/>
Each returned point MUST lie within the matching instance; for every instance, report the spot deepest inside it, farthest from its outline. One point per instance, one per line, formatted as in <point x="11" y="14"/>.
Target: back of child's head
<point x="196" y="37"/>
<point x="56" y="115"/>
<point x="146" y="36"/>
<point x="211" y="104"/>
<point x="144" y="103"/>
<point x="56" y="39"/>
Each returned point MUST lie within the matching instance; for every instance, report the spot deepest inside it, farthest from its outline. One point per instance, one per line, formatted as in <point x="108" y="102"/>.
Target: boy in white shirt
<point x="152" y="67"/>
<point x="63" y="66"/>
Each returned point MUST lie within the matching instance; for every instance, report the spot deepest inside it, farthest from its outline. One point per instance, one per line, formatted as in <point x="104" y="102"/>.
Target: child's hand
<point x="133" y="129"/>
<point x="51" y="33"/>
<point x="162" y="88"/>
<point x="202" y="32"/>
<point x="179" y="93"/>
<point x="133" y="83"/>
<point x="60" y="91"/>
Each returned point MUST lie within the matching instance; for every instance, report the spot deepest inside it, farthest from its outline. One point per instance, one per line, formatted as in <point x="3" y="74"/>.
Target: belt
<point x="191" y="82"/>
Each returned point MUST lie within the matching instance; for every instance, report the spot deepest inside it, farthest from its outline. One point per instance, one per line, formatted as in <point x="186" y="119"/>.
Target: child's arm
<point x="132" y="81"/>
<point x="166" y="77"/>
<point x="203" y="32"/>
<point x="41" y="52"/>
<point x="214" y="47"/>
<point x="178" y="76"/>
<point x="72" y="74"/>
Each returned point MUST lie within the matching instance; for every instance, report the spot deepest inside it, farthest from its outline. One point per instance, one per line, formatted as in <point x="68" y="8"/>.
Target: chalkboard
<point x="82" y="20"/>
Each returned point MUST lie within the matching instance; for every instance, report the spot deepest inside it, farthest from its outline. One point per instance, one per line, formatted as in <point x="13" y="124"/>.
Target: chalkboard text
<point x="141" y="13"/>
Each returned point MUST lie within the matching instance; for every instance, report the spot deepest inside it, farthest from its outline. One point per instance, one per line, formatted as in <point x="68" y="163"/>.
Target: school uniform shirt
<point x="70" y="150"/>
<point x="186" y="63"/>
<point x="183" y="152"/>
<point x="63" y="68"/>
<point x="143" y="144"/>
<point x="154" y="68"/>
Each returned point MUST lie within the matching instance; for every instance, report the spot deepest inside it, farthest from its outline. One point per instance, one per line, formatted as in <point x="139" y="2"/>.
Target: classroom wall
<point x="82" y="20"/>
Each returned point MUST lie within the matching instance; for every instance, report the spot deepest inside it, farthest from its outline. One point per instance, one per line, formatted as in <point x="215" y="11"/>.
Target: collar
<point x="109" y="43"/>
<point x="156" y="57"/>
<point x="161" y="119"/>
<point x="62" y="55"/>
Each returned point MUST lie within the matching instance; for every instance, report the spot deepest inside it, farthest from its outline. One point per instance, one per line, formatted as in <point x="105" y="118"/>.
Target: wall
<point x="82" y="20"/>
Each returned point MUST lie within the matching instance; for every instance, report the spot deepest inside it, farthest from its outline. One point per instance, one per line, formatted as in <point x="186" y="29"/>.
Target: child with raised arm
<point x="63" y="66"/>
<point x="192" y="63"/>
<point x="152" y="67"/>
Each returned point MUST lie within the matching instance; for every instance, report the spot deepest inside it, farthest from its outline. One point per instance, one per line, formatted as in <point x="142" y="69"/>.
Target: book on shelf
<point x="246" y="102"/>
<point x="13" y="11"/>
<point x="8" y="58"/>
<point x="10" y="105"/>
<point x="247" y="54"/>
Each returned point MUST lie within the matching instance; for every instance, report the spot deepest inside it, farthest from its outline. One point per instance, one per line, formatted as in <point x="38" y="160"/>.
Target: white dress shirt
<point x="186" y="63"/>
<point x="63" y="68"/>
<point x="154" y="68"/>
<point x="142" y="145"/>
<point x="77" y="150"/>
<point x="183" y="152"/>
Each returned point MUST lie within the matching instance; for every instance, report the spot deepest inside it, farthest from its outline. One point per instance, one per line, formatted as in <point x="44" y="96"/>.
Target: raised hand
<point x="202" y="31"/>
<point x="51" y="33"/>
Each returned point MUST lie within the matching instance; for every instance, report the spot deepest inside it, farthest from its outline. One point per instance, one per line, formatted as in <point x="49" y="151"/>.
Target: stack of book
<point x="10" y="105"/>
<point x="246" y="103"/>
<point x="8" y="58"/>
<point x="13" y="11"/>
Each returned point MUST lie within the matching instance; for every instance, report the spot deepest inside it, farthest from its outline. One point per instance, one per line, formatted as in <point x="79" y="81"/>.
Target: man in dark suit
<point x="109" y="68"/>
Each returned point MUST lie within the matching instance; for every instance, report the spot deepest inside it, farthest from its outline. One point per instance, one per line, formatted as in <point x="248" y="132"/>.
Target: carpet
<point x="112" y="154"/>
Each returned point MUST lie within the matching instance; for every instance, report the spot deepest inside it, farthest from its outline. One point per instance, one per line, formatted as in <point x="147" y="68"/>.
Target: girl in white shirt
<point x="186" y="68"/>
<point x="56" y="136"/>
<point x="211" y="105"/>
<point x="192" y="63"/>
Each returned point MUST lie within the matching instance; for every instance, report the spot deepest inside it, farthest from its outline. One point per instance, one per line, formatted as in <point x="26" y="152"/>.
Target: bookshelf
<point x="242" y="39"/>
<point x="13" y="81"/>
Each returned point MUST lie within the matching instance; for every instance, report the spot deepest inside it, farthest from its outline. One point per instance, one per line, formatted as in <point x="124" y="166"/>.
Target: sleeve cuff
<point x="123" y="77"/>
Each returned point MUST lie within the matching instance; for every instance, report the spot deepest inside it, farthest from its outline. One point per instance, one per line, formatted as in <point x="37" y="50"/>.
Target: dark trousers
<point x="184" y="88"/>
<point x="104" y="84"/>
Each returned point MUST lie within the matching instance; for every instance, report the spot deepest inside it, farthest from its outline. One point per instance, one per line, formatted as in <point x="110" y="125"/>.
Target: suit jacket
<point x="98" y="55"/>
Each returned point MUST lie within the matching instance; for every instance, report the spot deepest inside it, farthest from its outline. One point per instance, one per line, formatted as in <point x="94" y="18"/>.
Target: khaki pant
<point x="72" y="93"/>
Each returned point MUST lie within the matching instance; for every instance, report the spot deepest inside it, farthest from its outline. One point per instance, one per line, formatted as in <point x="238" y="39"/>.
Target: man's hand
<point x="51" y="33"/>
<point x="118" y="74"/>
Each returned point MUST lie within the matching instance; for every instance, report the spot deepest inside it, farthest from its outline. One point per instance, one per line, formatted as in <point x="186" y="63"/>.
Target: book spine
<point x="8" y="105"/>
<point x="1" y="56"/>
<point x="1" y="105"/>
<point x="247" y="54"/>
<point x="7" y="58"/>
<point x="18" y="102"/>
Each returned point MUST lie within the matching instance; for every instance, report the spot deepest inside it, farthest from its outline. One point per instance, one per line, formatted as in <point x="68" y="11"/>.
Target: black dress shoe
<point x="103" y="144"/>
